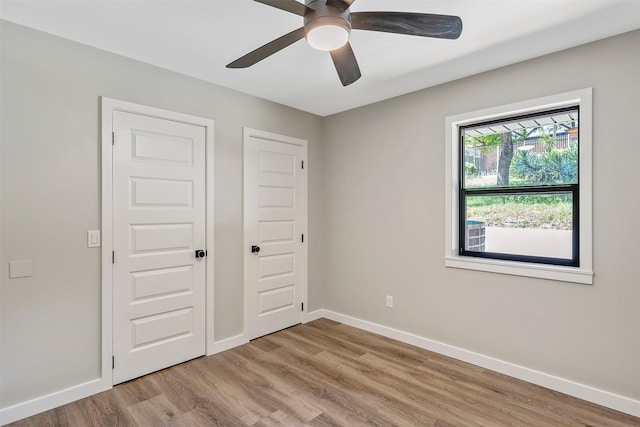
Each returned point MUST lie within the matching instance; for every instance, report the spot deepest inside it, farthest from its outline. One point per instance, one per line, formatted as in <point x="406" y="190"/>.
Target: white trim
<point x="109" y="105"/>
<point x="62" y="397"/>
<point x="269" y="136"/>
<point x="227" y="344"/>
<point x="53" y="400"/>
<point x="540" y="271"/>
<point x="572" y="388"/>
<point x="582" y="274"/>
<point x="311" y="316"/>
<point x="210" y="226"/>
<point x="247" y="134"/>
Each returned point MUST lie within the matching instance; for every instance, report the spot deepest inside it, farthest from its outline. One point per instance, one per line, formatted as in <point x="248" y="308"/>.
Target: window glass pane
<point x="529" y="224"/>
<point x="527" y="151"/>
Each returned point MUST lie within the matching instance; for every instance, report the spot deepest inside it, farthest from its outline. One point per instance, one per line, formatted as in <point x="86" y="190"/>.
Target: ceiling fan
<point x="328" y="24"/>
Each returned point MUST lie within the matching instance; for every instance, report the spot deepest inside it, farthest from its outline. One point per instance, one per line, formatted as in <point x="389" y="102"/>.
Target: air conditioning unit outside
<point x="475" y="236"/>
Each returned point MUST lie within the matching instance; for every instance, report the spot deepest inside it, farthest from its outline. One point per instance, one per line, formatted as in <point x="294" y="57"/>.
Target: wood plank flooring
<point x="327" y="374"/>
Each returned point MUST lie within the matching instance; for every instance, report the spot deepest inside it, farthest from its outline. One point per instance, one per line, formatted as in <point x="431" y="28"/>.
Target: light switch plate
<point x="93" y="238"/>
<point x="23" y="268"/>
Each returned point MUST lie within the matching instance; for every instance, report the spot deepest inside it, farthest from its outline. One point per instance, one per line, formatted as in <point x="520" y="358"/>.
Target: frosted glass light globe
<point x="327" y="37"/>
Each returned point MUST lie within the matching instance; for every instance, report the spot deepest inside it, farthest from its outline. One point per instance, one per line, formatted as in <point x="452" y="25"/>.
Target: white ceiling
<point x="198" y="38"/>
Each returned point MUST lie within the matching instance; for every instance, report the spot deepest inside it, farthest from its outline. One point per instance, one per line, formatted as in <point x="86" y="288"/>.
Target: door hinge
<point x="302" y="307"/>
<point x="113" y="362"/>
<point x="303" y="238"/>
<point x="113" y="138"/>
<point x="113" y="257"/>
<point x="303" y="164"/>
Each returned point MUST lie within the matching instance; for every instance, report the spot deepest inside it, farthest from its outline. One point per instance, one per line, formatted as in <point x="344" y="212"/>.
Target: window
<point x="519" y="186"/>
<point x="519" y="189"/>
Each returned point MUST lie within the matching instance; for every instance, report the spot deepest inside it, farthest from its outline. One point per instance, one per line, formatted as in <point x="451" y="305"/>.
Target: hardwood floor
<point x="325" y="374"/>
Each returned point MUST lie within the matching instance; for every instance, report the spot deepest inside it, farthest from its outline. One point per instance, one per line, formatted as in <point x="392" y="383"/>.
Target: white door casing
<point x="161" y="189"/>
<point x="275" y="220"/>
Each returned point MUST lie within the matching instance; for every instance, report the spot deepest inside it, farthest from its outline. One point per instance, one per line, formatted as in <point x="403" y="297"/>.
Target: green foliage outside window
<point x="552" y="166"/>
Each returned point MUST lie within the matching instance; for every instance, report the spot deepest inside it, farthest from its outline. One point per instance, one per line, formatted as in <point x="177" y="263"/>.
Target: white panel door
<point x="275" y="211"/>
<point x="158" y="224"/>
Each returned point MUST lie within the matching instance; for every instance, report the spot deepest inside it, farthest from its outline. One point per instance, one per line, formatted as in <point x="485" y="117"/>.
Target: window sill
<point x="540" y="271"/>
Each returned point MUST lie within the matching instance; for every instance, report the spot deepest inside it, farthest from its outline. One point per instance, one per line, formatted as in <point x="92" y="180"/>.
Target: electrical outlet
<point x="389" y="301"/>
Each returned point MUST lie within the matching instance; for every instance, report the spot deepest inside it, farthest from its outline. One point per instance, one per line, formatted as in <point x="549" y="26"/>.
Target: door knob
<point x="255" y="249"/>
<point x="201" y="253"/>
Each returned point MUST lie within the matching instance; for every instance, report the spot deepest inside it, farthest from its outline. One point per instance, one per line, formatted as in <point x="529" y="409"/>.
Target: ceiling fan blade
<point x="346" y="64"/>
<point x="268" y="49"/>
<point x="414" y="24"/>
<point x="340" y="4"/>
<point x="288" y="5"/>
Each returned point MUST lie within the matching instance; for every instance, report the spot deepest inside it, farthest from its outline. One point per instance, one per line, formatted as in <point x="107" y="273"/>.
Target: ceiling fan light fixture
<point x="327" y="26"/>
<point x="327" y="33"/>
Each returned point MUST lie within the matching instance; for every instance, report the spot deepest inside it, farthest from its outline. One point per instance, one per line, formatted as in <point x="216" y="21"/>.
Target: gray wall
<point x="384" y="175"/>
<point x="50" y="323"/>
<point x="376" y="180"/>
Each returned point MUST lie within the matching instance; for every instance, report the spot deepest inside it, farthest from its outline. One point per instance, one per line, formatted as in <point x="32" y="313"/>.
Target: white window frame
<point x="582" y="274"/>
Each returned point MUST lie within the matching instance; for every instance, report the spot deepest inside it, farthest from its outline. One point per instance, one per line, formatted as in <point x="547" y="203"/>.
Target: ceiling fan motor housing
<point x="325" y="15"/>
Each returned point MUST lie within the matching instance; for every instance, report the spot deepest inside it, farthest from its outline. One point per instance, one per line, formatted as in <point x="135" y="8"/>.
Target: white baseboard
<point x="227" y="344"/>
<point x="581" y="391"/>
<point x="50" y="401"/>
<point x="80" y="391"/>
<point x="313" y="315"/>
